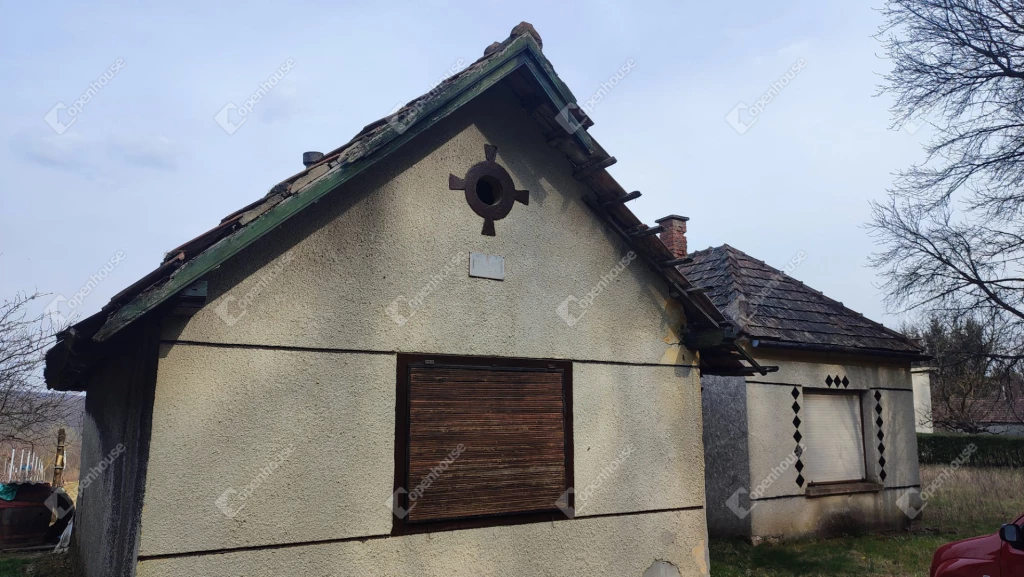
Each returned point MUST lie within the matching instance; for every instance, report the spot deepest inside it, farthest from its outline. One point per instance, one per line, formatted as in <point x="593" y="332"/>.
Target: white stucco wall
<point x="922" y="380"/>
<point x="324" y="282"/>
<point x="594" y="546"/>
<point x="327" y="277"/>
<point x="783" y="508"/>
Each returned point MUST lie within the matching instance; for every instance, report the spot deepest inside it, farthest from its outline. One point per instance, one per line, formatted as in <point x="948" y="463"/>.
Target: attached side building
<point x="827" y="444"/>
<point x="468" y="359"/>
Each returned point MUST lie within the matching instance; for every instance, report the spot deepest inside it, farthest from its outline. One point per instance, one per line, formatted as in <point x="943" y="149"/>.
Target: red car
<point x="997" y="555"/>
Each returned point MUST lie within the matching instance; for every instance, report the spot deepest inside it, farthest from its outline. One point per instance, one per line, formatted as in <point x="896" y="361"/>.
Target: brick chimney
<point x="674" y="235"/>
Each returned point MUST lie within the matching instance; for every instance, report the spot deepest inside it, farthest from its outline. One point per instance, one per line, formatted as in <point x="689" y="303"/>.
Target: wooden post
<point x="58" y="461"/>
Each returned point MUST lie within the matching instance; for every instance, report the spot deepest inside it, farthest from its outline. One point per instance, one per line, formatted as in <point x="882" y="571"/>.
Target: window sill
<point x="843" y="488"/>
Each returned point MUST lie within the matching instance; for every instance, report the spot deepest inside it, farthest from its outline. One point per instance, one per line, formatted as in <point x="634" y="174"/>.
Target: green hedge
<point x="990" y="450"/>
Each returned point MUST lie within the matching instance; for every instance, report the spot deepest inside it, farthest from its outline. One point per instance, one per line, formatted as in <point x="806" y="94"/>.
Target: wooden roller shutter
<point x="833" y="437"/>
<point x="484" y="437"/>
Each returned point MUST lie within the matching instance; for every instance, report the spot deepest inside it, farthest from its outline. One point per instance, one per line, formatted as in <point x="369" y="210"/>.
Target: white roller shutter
<point x="833" y="438"/>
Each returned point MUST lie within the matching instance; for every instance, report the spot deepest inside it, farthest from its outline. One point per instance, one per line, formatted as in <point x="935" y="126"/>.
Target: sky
<point x="103" y="181"/>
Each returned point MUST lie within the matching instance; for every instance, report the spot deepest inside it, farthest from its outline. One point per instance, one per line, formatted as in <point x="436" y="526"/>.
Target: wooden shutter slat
<point x="511" y="424"/>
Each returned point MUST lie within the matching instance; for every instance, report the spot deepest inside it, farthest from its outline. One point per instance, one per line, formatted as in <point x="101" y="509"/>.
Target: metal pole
<point x="10" y="468"/>
<point x="21" y="463"/>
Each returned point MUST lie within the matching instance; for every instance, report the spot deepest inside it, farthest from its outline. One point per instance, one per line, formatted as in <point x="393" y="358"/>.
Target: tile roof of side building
<point x="773" y="308"/>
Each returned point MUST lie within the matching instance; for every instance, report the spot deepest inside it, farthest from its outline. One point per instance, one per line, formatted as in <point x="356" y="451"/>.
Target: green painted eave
<point x="523" y="52"/>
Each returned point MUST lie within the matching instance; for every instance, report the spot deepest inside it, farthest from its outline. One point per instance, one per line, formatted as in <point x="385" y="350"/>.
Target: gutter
<point x="819" y="348"/>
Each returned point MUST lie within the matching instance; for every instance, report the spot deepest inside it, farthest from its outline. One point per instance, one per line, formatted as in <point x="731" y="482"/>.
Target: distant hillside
<point x="47" y="448"/>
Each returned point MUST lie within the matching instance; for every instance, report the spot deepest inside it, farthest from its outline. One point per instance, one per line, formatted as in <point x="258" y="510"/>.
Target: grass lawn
<point x="11" y="565"/>
<point x="34" y="565"/>
<point x="971" y="502"/>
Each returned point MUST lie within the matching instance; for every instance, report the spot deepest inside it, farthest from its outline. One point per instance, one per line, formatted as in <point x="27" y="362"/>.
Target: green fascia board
<point x="522" y="52"/>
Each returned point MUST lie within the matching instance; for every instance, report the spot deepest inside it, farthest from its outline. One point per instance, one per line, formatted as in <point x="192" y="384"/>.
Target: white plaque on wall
<point x="486" y="266"/>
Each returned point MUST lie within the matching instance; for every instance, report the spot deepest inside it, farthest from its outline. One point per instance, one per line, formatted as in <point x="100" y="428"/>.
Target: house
<point x="826" y="444"/>
<point x="1000" y="416"/>
<point x="446" y="348"/>
<point x="1003" y="415"/>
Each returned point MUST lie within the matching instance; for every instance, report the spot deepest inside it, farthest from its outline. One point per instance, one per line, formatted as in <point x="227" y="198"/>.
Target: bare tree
<point x="951" y="232"/>
<point x="28" y="412"/>
<point x="968" y="392"/>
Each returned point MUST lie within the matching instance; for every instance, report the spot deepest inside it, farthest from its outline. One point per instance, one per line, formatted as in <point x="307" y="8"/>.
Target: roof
<point x="998" y="411"/>
<point x="773" y="309"/>
<point x="518" y="62"/>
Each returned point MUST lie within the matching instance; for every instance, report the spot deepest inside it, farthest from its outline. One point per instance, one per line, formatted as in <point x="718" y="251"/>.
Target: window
<point x="480" y="441"/>
<point x="834" y="437"/>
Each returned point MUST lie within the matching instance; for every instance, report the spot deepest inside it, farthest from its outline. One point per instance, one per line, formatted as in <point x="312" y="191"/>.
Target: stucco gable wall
<point x="342" y="274"/>
<point x="309" y="360"/>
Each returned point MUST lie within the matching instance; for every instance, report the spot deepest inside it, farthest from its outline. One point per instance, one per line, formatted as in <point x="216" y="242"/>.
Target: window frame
<point x="407" y="361"/>
<point x="859" y="395"/>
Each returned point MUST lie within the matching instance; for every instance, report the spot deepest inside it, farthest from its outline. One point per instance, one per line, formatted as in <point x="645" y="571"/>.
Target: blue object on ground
<point x="8" y="491"/>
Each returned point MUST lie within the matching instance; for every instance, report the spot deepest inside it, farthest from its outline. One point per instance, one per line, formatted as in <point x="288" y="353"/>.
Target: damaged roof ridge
<point x="520" y="54"/>
<point x="380" y="122"/>
<point x="521" y="60"/>
<point x="331" y="160"/>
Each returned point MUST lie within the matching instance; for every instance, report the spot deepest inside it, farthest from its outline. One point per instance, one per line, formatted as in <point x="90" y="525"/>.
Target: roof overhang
<point x="909" y="356"/>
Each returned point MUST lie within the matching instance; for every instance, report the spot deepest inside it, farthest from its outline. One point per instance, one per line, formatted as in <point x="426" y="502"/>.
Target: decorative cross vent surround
<point x="830" y="380"/>
<point x="489" y="189"/>
<point x="798" y="451"/>
<point x="880" y="434"/>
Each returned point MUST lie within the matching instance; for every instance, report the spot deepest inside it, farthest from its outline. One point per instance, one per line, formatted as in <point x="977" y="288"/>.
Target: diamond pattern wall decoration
<point x="797" y="436"/>
<point x="837" y="380"/>
<point x="880" y="435"/>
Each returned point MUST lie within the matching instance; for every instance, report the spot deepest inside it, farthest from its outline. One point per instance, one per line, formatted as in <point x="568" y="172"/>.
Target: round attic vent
<point x="489" y="189"/>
